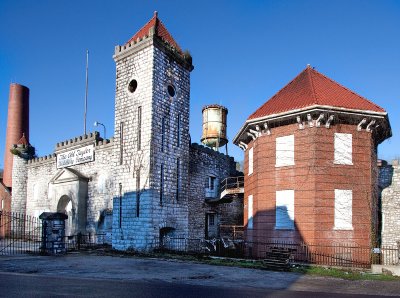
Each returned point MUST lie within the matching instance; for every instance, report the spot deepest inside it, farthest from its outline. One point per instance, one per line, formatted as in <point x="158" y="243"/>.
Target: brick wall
<point x="313" y="177"/>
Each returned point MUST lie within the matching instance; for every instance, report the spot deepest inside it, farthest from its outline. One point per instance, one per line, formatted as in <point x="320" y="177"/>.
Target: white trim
<point x="310" y="109"/>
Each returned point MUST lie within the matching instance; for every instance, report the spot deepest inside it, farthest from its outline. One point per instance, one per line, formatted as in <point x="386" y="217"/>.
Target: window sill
<point x="284" y="228"/>
<point x="343" y="229"/>
<point x="282" y="166"/>
<point x="343" y="164"/>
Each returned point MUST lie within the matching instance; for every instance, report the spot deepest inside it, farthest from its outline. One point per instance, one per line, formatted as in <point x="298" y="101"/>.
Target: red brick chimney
<point x="17" y="125"/>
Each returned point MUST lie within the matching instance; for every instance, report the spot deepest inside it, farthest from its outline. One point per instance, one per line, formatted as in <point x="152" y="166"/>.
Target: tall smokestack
<point x="17" y="124"/>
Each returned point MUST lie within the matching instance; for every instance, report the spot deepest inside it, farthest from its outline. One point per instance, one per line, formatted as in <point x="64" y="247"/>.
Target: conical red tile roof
<point x="160" y="30"/>
<point x="311" y="88"/>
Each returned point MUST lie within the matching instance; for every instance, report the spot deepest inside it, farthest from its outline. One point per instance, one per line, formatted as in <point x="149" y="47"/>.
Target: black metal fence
<point x="19" y="233"/>
<point x="340" y="255"/>
<point x="82" y="241"/>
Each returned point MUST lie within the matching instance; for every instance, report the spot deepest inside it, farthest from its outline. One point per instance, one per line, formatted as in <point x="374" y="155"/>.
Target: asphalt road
<point x="26" y="285"/>
<point x="92" y="275"/>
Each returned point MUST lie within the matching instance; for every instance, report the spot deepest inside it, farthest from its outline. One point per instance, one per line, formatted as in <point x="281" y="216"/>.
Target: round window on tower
<point x="132" y="86"/>
<point x="171" y="90"/>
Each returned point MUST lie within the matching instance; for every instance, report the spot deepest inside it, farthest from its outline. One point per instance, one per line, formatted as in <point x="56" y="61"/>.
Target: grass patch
<point x="342" y="273"/>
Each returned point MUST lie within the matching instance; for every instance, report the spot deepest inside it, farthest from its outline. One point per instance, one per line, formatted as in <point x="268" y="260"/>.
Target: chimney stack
<point x="17" y="125"/>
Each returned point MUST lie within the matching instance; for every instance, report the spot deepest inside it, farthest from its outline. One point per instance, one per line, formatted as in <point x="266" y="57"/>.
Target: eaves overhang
<point x="273" y="118"/>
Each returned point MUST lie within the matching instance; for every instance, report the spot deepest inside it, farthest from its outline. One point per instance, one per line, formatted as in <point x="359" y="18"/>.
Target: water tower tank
<point x="214" y="126"/>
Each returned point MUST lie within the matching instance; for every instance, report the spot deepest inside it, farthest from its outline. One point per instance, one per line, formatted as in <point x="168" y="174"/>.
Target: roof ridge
<point x="143" y="27"/>
<point x="159" y="30"/>
<point x="347" y="89"/>
<point x="309" y="72"/>
<point x="279" y="91"/>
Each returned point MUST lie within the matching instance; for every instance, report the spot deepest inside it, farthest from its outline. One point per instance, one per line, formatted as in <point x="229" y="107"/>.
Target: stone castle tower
<point x="151" y="143"/>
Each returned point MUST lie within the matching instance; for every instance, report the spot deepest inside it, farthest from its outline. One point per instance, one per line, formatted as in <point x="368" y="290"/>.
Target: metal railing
<point x="340" y="255"/>
<point x="82" y="241"/>
<point x="233" y="232"/>
<point x="232" y="183"/>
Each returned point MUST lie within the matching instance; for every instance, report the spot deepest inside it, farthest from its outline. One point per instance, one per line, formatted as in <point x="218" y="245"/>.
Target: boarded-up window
<point x="250" y="161"/>
<point x="343" y="149"/>
<point x="250" y="212"/>
<point x="285" y="151"/>
<point x="343" y="209"/>
<point x="285" y="209"/>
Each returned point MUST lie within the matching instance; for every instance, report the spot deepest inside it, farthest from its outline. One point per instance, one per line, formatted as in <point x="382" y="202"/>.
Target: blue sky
<point x="243" y="53"/>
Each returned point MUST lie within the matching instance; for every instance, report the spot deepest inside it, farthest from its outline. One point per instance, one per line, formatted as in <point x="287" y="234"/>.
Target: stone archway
<point x="65" y="206"/>
<point x="166" y="238"/>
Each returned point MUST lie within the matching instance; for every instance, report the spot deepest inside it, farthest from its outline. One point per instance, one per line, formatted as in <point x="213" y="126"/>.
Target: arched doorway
<point x="166" y="238"/>
<point x="65" y="206"/>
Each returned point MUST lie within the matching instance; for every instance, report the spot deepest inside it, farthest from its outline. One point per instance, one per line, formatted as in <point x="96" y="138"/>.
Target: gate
<point x="19" y="233"/>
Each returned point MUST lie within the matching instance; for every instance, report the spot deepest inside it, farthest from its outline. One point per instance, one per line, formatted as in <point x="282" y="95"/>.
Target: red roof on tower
<point x="311" y="88"/>
<point x="160" y="31"/>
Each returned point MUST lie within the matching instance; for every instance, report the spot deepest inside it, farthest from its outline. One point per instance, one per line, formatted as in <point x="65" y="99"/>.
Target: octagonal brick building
<point x="310" y="165"/>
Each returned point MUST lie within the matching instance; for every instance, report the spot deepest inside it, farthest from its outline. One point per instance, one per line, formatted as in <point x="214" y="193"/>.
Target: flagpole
<point x="86" y="91"/>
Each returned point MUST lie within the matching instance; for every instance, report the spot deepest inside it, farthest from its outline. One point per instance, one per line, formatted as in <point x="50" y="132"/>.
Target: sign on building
<point x="75" y="157"/>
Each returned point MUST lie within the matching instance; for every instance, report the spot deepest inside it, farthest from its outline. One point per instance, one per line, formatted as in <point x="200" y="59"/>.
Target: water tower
<point x="214" y="127"/>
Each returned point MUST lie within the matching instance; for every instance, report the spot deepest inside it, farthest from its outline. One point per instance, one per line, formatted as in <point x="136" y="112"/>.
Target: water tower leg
<point x="226" y="148"/>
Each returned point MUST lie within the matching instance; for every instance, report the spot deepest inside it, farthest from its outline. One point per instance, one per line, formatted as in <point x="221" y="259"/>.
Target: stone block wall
<point x="43" y="191"/>
<point x="205" y="162"/>
<point x="129" y="230"/>
<point x="147" y="143"/>
<point x="390" y="180"/>
<point x="19" y="184"/>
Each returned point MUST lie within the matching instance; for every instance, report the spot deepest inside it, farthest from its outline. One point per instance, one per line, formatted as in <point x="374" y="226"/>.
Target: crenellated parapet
<point x="91" y="138"/>
<point x="210" y="151"/>
<point x="154" y="33"/>
<point x="70" y="144"/>
<point x="42" y="159"/>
